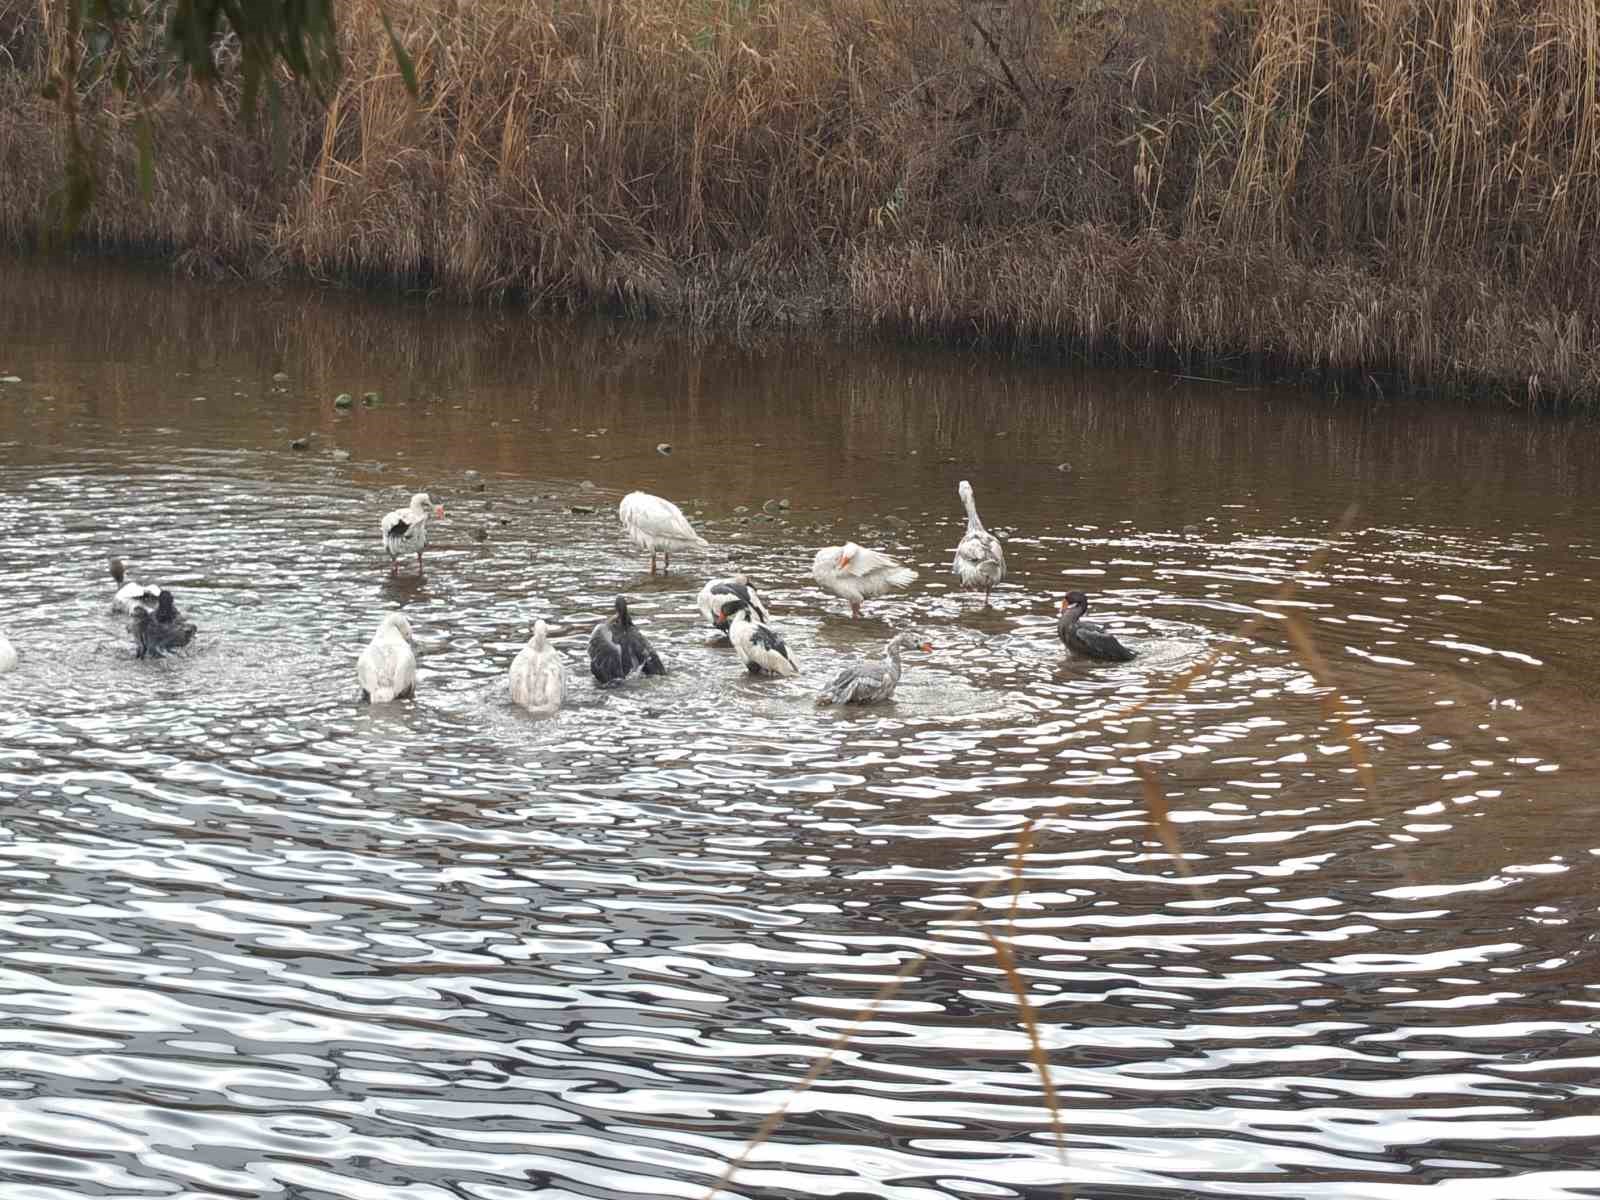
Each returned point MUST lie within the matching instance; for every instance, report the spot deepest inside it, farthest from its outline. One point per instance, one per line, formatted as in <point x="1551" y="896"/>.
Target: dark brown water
<point x="257" y="939"/>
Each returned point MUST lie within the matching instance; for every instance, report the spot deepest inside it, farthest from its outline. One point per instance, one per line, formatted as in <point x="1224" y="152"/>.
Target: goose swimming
<point x="1086" y="637"/>
<point x="855" y="574"/>
<point x="160" y="632"/>
<point x="405" y="530"/>
<point x="387" y="668"/>
<point x="619" y="651"/>
<point x="654" y="524"/>
<point x="874" y="680"/>
<point x="8" y="655"/>
<point x="130" y="593"/>
<point x="980" y="560"/>
<point x="758" y="644"/>
<point x="720" y="598"/>
<point x="538" y="675"/>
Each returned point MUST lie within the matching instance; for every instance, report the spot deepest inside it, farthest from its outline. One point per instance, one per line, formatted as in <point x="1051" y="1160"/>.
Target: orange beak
<point x="927" y="647"/>
<point x="1063" y="607"/>
<point x="844" y="559"/>
<point x="438" y="510"/>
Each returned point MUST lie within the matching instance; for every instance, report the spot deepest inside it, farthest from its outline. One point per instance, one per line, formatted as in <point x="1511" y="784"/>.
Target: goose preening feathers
<point x="758" y="645"/>
<point x="405" y="530"/>
<point x="874" y="680"/>
<point x="160" y="632"/>
<point x="980" y="560"/>
<point x="855" y="574"/>
<point x="387" y="668"/>
<point x="720" y="598"/>
<point x="130" y="593"/>
<point x="8" y="655"/>
<point x="1085" y="637"/>
<point x="654" y="524"/>
<point x="619" y="651"/>
<point x="538" y="676"/>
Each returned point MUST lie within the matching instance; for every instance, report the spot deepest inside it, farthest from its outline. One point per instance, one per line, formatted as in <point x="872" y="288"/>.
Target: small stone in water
<point x="343" y="400"/>
<point x="587" y="485"/>
<point x="10" y="379"/>
<point x="480" y="534"/>
<point x="771" y="506"/>
<point x="340" y="455"/>
<point x="663" y="447"/>
<point x="280" y="377"/>
<point x="1063" y="466"/>
<point x="469" y="473"/>
<point x="898" y="522"/>
<point x="300" y="443"/>
<point x="1191" y="531"/>
<point x="583" y="508"/>
<point x="784" y="503"/>
<point x="743" y="508"/>
<point x="478" y="487"/>
<point x="370" y="399"/>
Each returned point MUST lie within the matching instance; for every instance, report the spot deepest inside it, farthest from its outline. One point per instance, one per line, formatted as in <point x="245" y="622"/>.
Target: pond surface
<point x="260" y="939"/>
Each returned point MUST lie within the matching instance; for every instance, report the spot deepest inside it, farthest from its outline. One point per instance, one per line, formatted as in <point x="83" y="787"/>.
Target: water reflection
<point x="258" y="937"/>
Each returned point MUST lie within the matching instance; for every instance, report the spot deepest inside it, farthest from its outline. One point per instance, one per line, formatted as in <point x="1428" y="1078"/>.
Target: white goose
<point x="8" y="655"/>
<point x="855" y="574"/>
<point x="387" y="668"/>
<point x="538" y="676"/>
<point x="405" y="530"/>
<point x="980" y="560"/>
<point x="130" y="593"/>
<point x="654" y="524"/>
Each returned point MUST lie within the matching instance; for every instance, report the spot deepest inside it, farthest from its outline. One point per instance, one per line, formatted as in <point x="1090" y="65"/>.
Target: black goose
<point x="161" y="632"/>
<point x="1085" y="637"/>
<point x="618" y="651"/>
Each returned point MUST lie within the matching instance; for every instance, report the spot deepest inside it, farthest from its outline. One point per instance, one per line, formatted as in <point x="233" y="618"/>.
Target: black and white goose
<point x="758" y="645"/>
<point x="720" y="597"/>
<point x="405" y="530"/>
<point x="130" y="593"/>
<point x="618" y="651"/>
<point x="158" y="633"/>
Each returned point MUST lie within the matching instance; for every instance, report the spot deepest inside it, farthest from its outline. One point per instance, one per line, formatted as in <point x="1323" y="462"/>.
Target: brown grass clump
<point x="1401" y="194"/>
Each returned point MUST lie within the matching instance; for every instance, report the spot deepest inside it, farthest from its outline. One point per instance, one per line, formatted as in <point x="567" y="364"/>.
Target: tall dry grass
<point x="1398" y="194"/>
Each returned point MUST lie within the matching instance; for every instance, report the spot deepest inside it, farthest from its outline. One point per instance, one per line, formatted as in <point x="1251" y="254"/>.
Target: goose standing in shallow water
<point x="8" y="655"/>
<point x="405" y="530"/>
<point x="720" y="598"/>
<point x="854" y="574"/>
<point x="387" y="668"/>
<point x="160" y="632"/>
<point x="1086" y="637"/>
<point x="538" y="676"/>
<point x="654" y="524"/>
<point x="758" y="645"/>
<point x="618" y="651"/>
<point x="128" y="592"/>
<point x="869" y="682"/>
<point x="980" y="561"/>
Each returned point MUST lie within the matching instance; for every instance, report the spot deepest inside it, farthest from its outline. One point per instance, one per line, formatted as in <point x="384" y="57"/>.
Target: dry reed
<point x="1391" y="195"/>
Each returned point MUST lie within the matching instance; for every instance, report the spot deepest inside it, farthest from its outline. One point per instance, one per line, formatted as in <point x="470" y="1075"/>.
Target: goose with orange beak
<point x="873" y="681"/>
<point x="856" y="574"/>
<point x="1085" y="637"/>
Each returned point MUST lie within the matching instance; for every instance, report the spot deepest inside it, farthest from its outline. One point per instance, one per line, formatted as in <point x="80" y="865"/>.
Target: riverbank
<point x="1389" y="197"/>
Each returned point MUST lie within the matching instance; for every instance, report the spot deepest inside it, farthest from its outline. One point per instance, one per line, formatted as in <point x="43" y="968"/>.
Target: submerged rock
<point x="663" y="447"/>
<point x="301" y="443"/>
<point x="343" y="400"/>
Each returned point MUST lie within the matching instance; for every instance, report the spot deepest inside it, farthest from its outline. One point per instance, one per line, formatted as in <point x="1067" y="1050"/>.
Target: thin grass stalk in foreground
<point x="1155" y="803"/>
